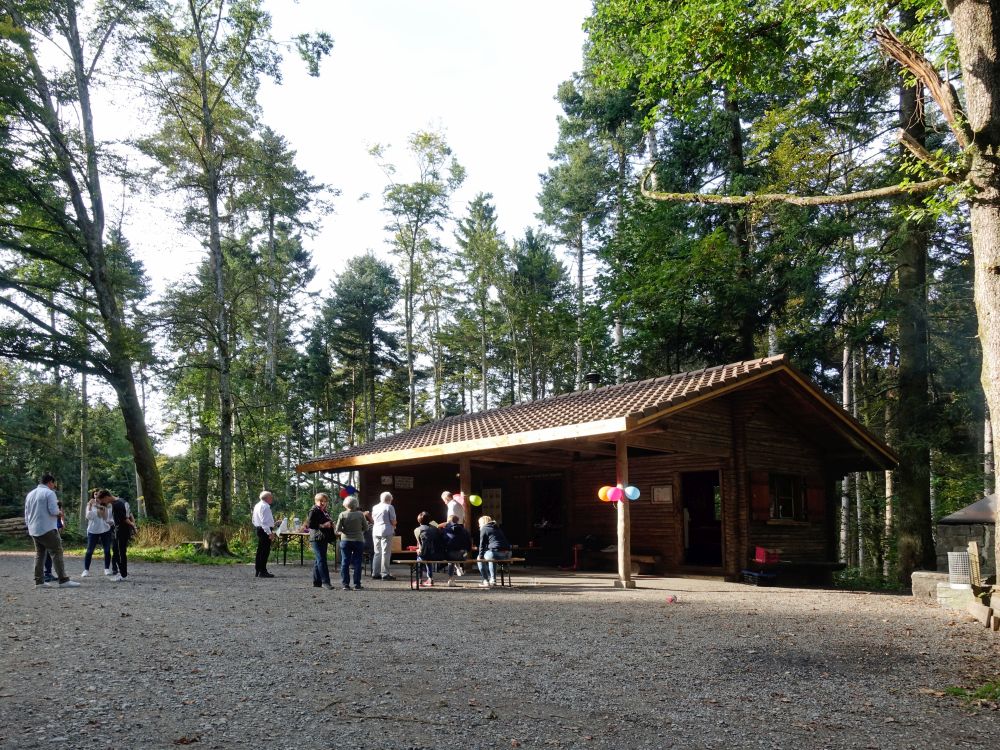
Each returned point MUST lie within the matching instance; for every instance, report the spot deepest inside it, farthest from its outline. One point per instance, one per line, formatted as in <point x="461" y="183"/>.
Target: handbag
<point x="316" y="535"/>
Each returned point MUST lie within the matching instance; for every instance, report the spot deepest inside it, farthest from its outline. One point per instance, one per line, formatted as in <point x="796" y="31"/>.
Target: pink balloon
<point x="615" y="494"/>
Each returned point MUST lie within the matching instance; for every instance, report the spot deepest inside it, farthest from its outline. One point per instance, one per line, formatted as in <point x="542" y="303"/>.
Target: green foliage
<point x="855" y="579"/>
<point x="988" y="691"/>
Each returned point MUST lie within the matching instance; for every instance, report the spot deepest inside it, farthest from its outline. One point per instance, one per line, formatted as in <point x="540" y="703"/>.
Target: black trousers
<point x="263" y="550"/>
<point x="119" y="557"/>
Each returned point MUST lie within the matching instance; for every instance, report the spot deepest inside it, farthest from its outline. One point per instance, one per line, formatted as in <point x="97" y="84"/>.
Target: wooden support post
<point x="624" y="531"/>
<point x="465" y="486"/>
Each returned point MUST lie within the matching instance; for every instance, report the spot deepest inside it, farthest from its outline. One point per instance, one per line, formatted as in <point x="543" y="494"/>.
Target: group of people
<point x="450" y="541"/>
<point x="109" y="523"/>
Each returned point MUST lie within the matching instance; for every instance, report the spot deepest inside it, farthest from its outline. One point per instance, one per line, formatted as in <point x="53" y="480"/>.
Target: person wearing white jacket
<point x="98" y="530"/>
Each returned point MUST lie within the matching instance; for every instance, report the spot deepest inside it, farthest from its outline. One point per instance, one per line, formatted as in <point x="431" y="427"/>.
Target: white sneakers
<point x="69" y="585"/>
<point x="117" y="578"/>
<point x="107" y="571"/>
<point x="451" y="582"/>
<point x="84" y="574"/>
<point x="484" y="584"/>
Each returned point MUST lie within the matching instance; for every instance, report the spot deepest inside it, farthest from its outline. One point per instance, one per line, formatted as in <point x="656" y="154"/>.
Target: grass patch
<point x="855" y="579"/>
<point x="16" y="544"/>
<point x="987" y="692"/>
<point x="184" y="554"/>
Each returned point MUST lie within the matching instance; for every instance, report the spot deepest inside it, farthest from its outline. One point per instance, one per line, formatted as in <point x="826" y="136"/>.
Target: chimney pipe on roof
<point x="592" y="379"/>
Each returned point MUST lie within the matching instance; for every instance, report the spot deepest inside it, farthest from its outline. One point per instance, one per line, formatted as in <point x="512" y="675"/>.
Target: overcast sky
<point x="483" y="73"/>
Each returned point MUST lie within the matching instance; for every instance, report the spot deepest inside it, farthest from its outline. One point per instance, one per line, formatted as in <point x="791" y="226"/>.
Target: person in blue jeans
<point x="321" y="533"/>
<point x="493" y="545"/>
<point x="429" y="546"/>
<point x="98" y="516"/>
<point x="351" y="525"/>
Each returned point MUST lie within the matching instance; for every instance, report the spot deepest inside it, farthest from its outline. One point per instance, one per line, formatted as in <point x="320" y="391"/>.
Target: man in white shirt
<point x="42" y="516"/>
<point x="263" y="523"/>
<point x="455" y="507"/>
<point x="383" y="529"/>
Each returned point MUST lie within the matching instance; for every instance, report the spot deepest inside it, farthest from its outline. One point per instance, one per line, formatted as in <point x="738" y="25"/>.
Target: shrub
<point x="164" y="535"/>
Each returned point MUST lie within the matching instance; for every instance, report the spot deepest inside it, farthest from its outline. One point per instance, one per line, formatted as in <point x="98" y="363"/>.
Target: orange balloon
<point x="603" y="494"/>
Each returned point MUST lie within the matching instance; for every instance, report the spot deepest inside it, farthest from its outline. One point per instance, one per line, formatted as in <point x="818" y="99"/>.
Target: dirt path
<point x="210" y="656"/>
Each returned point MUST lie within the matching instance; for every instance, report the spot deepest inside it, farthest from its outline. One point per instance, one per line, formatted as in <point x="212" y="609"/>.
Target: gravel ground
<point x="185" y="654"/>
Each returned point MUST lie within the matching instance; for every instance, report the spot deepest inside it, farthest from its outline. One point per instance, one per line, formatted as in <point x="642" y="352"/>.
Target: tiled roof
<point x="623" y="401"/>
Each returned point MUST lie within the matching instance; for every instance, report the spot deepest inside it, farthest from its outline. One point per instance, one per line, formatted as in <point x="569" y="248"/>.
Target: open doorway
<point x="547" y="520"/>
<point x="702" y="507"/>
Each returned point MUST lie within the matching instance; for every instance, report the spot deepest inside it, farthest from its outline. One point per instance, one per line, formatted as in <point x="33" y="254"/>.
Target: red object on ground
<point x="764" y="555"/>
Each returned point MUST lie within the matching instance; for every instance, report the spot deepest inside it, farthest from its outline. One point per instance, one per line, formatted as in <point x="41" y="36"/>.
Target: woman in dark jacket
<point x="320" y="535"/>
<point x="493" y="545"/>
<point x="428" y="545"/>
<point x="457" y="544"/>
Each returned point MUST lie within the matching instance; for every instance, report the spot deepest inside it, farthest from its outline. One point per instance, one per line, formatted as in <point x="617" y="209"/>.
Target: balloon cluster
<point x="617" y="494"/>
<point x="348" y="491"/>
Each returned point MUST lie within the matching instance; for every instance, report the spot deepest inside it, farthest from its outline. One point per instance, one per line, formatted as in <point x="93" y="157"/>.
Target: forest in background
<point x="872" y="298"/>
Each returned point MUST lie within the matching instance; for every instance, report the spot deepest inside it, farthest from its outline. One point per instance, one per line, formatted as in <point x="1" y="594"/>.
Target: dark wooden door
<point x="702" y="508"/>
<point x="548" y="520"/>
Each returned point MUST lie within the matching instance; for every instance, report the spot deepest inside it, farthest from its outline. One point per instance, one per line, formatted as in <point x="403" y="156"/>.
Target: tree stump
<point x="216" y="544"/>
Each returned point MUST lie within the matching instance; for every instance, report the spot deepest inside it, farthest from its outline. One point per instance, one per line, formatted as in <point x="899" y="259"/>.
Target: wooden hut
<point x="727" y="459"/>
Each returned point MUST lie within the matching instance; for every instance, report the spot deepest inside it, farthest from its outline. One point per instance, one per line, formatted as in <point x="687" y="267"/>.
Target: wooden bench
<point x="503" y="568"/>
<point x="808" y="572"/>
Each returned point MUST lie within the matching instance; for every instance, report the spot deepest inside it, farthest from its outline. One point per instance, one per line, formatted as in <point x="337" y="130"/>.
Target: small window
<point x="787" y="497"/>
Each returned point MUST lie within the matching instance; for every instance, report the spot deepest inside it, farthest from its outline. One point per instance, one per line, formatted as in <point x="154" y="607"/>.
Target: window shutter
<point x="760" y="496"/>
<point x="815" y="500"/>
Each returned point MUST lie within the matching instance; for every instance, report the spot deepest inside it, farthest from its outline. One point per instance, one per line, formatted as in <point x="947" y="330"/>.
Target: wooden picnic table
<point x="503" y="568"/>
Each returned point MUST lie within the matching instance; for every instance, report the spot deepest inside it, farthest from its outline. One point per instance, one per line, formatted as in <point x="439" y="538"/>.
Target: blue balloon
<point x="632" y="492"/>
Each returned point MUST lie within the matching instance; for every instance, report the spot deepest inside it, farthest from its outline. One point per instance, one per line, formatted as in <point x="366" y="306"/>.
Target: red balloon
<point x="343" y="493"/>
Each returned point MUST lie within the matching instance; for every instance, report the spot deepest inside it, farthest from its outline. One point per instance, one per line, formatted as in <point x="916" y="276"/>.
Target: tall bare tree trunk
<point x="845" y="491"/>
<point x="989" y="470"/>
<point x="271" y="354"/>
<point x="857" y="475"/>
<point x="976" y="28"/>
<point x="84" y="451"/>
<point x="579" y="309"/>
<point x="739" y="224"/>
<point x="915" y="543"/>
<point x="887" y="524"/>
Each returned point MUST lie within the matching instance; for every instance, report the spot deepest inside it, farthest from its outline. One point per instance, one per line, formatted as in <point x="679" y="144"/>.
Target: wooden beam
<point x="675" y="443"/>
<point x="597" y="449"/>
<point x="465" y="487"/>
<point x="624" y="522"/>
<point x="530" y="458"/>
<point x="535" y="438"/>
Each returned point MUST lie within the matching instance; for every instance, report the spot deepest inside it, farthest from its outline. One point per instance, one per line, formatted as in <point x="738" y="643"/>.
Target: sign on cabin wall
<point x="664" y="495"/>
<point x="387" y="480"/>
<point x="492" y="504"/>
<point x="404" y="483"/>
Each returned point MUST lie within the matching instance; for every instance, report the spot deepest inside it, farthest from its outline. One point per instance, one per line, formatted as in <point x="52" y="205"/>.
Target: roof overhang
<point x="586" y="435"/>
<point x="535" y="439"/>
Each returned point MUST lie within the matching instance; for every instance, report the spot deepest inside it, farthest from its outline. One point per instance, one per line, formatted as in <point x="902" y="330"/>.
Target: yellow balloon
<point x="602" y="494"/>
